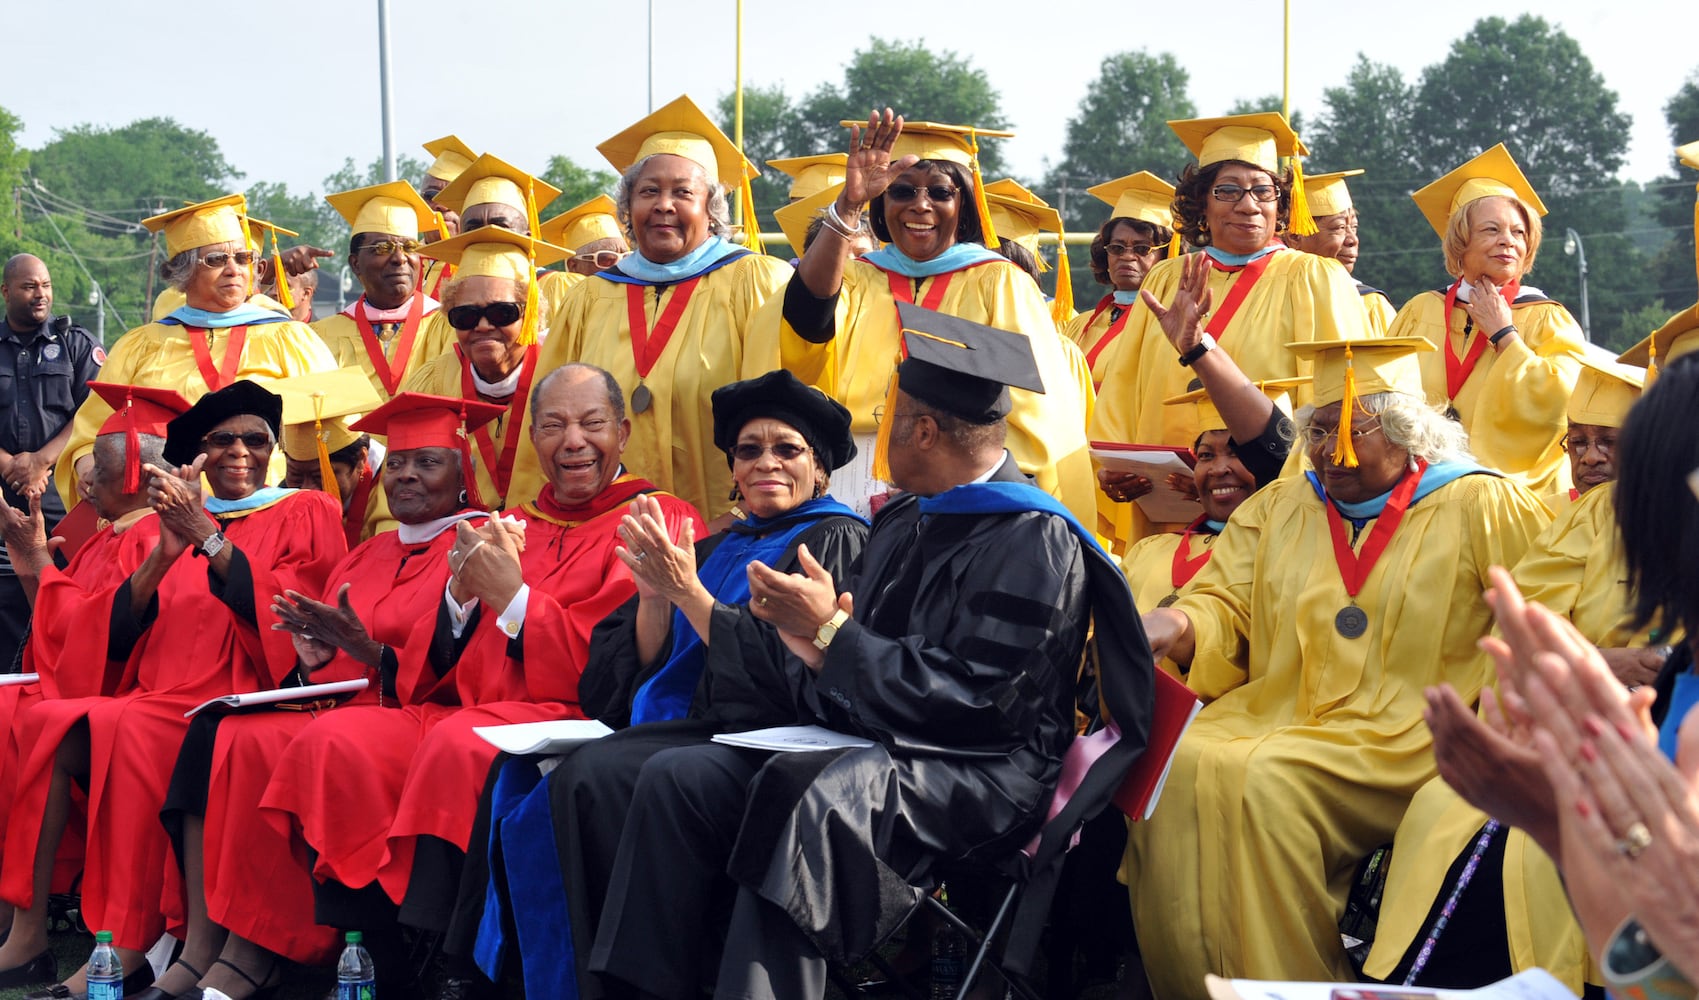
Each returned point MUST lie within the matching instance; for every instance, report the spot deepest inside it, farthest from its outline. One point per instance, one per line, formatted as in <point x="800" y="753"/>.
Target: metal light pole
<point x="651" y="56"/>
<point x="384" y="90"/>
<point x="1572" y="247"/>
<point x="740" y="209"/>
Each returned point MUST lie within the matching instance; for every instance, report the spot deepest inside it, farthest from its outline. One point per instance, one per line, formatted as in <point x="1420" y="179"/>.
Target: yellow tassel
<point x="442" y="226"/>
<point x="1344" y="454"/>
<point x="1696" y="227"/>
<point x="1651" y="360"/>
<point x="979" y="203"/>
<point x="283" y="294"/>
<point x="1062" y="306"/>
<point x="1174" y="245"/>
<point x="751" y="226"/>
<point x="1303" y="223"/>
<point x="528" y="329"/>
<point x="882" y="443"/>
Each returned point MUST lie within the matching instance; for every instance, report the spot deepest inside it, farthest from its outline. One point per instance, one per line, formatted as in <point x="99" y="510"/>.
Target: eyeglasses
<point x="386" y="248"/>
<point x="1232" y="193"/>
<point x="909" y="192"/>
<point x="498" y="313"/>
<point x="879" y="415"/>
<point x="1576" y="445"/>
<point x="1314" y="435"/>
<point x="602" y="259"/>
<point x="218" y="258"/>
<point x="784" y="451"/>
<point x="252" y="440"/>
<point x="1120" y="249"/>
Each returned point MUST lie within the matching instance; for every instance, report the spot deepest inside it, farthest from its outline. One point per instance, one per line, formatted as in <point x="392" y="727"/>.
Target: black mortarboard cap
<point x="961" y="367"/>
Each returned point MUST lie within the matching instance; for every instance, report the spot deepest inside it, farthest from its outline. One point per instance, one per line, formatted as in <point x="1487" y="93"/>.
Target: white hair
<point x="1410" y="423"/>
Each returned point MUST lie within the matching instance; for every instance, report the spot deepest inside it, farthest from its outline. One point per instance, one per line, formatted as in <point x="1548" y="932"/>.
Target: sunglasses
<point x="252" y="440"/>
<point x="218" y="258"/>
<point x="785" y="451"/>
<point x="498" y="313"/>
<point x="1232" y="193"/>
<point x="602" y="259"/>
<point x="386" y="248"/>
<point x="1119" y="249"/>
<point x="909" y="192"/>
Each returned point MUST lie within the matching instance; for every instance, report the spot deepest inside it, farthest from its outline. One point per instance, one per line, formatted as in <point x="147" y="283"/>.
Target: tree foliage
<point x="577" y="183"/>
<point x="1673" y="200"/>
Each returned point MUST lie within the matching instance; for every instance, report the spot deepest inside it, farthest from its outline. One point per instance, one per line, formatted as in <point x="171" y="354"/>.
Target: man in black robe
<point x="957" y="657"/>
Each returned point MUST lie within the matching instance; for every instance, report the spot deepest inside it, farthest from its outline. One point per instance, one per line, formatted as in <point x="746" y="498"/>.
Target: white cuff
<point x="458" y="613"/>
<point x="512" y="617"/>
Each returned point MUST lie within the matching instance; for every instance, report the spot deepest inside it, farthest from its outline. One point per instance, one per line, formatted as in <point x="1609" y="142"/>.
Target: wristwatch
<point x="213" y="545"/>
<point x="1204" y="346"/>
<point x="829" y="631"/>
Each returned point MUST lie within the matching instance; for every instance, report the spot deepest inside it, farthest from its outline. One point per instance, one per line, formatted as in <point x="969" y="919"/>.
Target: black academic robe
<point x="960" y="663"/>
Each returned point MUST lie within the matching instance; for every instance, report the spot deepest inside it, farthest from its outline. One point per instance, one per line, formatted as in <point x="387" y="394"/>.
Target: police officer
<point x="45" y="366"/>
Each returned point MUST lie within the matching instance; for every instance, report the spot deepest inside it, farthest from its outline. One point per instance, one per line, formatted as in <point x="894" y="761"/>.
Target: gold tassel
<point x="282" y="280"/>
<point x="442" y="226"/>
<point x="326" y="473"/>
<point x="882" y="443"/>
<point x="1174" y="246"/>
<point x="528" y="329"/>
<point x="751" y="226"/>
<point x="1651" y="360"/>
<point x="1696" y="227"/>
<point x="979" y="203"/>
<point x="1303" y="223"/>
<point x="1343" y="453"/>
<point x="1062" y="306"/>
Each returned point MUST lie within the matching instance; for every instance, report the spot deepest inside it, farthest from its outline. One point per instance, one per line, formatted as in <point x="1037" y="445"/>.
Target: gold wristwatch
<point x="829" y="631"/>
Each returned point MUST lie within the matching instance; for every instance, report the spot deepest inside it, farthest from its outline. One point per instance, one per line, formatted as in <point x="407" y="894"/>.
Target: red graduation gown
<point x="257" y="877"/>
<point x="422" y="766"/>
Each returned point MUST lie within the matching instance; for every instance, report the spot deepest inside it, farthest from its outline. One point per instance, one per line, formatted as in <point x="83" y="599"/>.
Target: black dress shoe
<point x="40" y="969"/>
<point x="58" y="991"/>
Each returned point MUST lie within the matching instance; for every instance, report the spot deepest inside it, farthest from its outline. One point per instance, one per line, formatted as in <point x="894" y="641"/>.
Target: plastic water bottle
<point x="105" y="971"/>
<point x="948" y="953"/>
<point x="355" y="977"/>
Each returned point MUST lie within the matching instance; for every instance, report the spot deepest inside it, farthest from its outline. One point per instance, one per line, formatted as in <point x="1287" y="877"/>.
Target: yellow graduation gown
<point x="441" y="376"/>
<point x="1514" y="404"/>
<point x="1299" y="297"/>
<point x="1149" y="569"/>
<point x="342" y="335"/>
<point x="160" y="355"/>
<point x="1310" y="744"/>
<point x="1046" y="431"/>
<point x="672" y="444"/>
<point x="1087" y="330"/>
<point x="1379" y="312"/>
<point x="1575" y="568"/>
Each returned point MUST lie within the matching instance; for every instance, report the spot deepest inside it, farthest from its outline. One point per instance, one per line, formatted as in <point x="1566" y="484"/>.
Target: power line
<point x="105" y="299"/>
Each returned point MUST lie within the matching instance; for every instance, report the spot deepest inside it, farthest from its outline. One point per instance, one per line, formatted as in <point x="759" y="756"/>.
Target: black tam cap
<point x="961" y="367"/>
<point x="183" y="435"/>
<point x="822" y="421"/>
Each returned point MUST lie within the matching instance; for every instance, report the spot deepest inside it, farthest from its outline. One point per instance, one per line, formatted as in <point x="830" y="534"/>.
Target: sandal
<point x="262" y="991"/>
<point x="155" y="993"/>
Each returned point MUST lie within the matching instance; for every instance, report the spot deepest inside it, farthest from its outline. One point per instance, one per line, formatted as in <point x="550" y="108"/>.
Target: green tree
<point x="577" y="183"/>
<point x="772" y="130"/>
<point x="919" y="84"/>
<point x="1672" y="209"/>
<point x="137" y="169"/>
<point x="307" y="214"/>
<point x="1636" y="326"/>
<point x="1257" y="105"/>
<point x="1365" y="123"/>
<point x="407" y="168"/>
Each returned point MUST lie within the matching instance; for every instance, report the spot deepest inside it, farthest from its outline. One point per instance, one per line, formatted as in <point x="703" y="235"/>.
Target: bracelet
<point x="1633" y="967"/>
<point x="836" y="223"/>
<point x="1495" y="338"/>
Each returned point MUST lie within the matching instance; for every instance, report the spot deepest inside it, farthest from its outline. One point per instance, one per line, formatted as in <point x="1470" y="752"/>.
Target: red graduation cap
<point x="421" y="420"/>
<point x="137" y="410"/>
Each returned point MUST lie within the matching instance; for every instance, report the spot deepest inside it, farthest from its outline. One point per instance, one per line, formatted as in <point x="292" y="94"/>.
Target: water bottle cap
<point x="354" y="937"/>
<point x="103" y="937"/>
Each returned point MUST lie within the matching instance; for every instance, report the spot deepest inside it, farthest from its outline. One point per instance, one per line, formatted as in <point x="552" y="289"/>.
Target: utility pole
<point x="384" y="90"/>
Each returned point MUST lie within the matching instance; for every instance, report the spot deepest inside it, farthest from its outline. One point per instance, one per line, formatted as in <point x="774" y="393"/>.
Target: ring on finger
<point x="639" y="555"/>
<point x="1634" y="840"/>
<point x="761" y="601"/>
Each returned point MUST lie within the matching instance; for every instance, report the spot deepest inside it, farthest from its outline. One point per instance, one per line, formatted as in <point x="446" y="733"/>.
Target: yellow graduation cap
<point x="1494" y="173"/>
<point x="681" y="129"/>
<point x="812" y="174"/>
<point x="1689" y="157"/>
<point x="451" y="157"/>
<point x="1604" y="392"/>
<point x="1008" y="187"/>
<point x="1348" y="369"/>
<point x="795" y="218"/>
<point x="1327" y="193"/>
<point x="583" y="223"/>
<point x="495" y="252"/>
<point x="1209" y="418"/>
<point x="1679" y="336"/>
<point x="285" y="297"/>
<point x="956" y="143"/>
<point x="394" y="209"/>
<point x="1142" y="196"/>
<point x="1020" y="215"/>
<point x="221" y="220"/>
<point x="492" y="180"/>
<point x="315" y="412"/>
<point x="1259" y="139"/>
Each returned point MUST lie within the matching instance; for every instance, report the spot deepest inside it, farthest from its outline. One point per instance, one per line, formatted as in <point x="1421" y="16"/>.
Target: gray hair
<point x="151" y="450"/>
<point x="176" y="271"/>
<point x="719" y="209"/>
<point x="616" y="397"/>
<point x="1410" y="423"/>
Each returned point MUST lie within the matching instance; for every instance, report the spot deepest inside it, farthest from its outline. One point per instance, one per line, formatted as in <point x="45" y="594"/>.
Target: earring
<point x="463" y="498"/>
<point x="1203" y="225"/>
<point x="736" y="494"/>
<point x="819" y="489"/>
